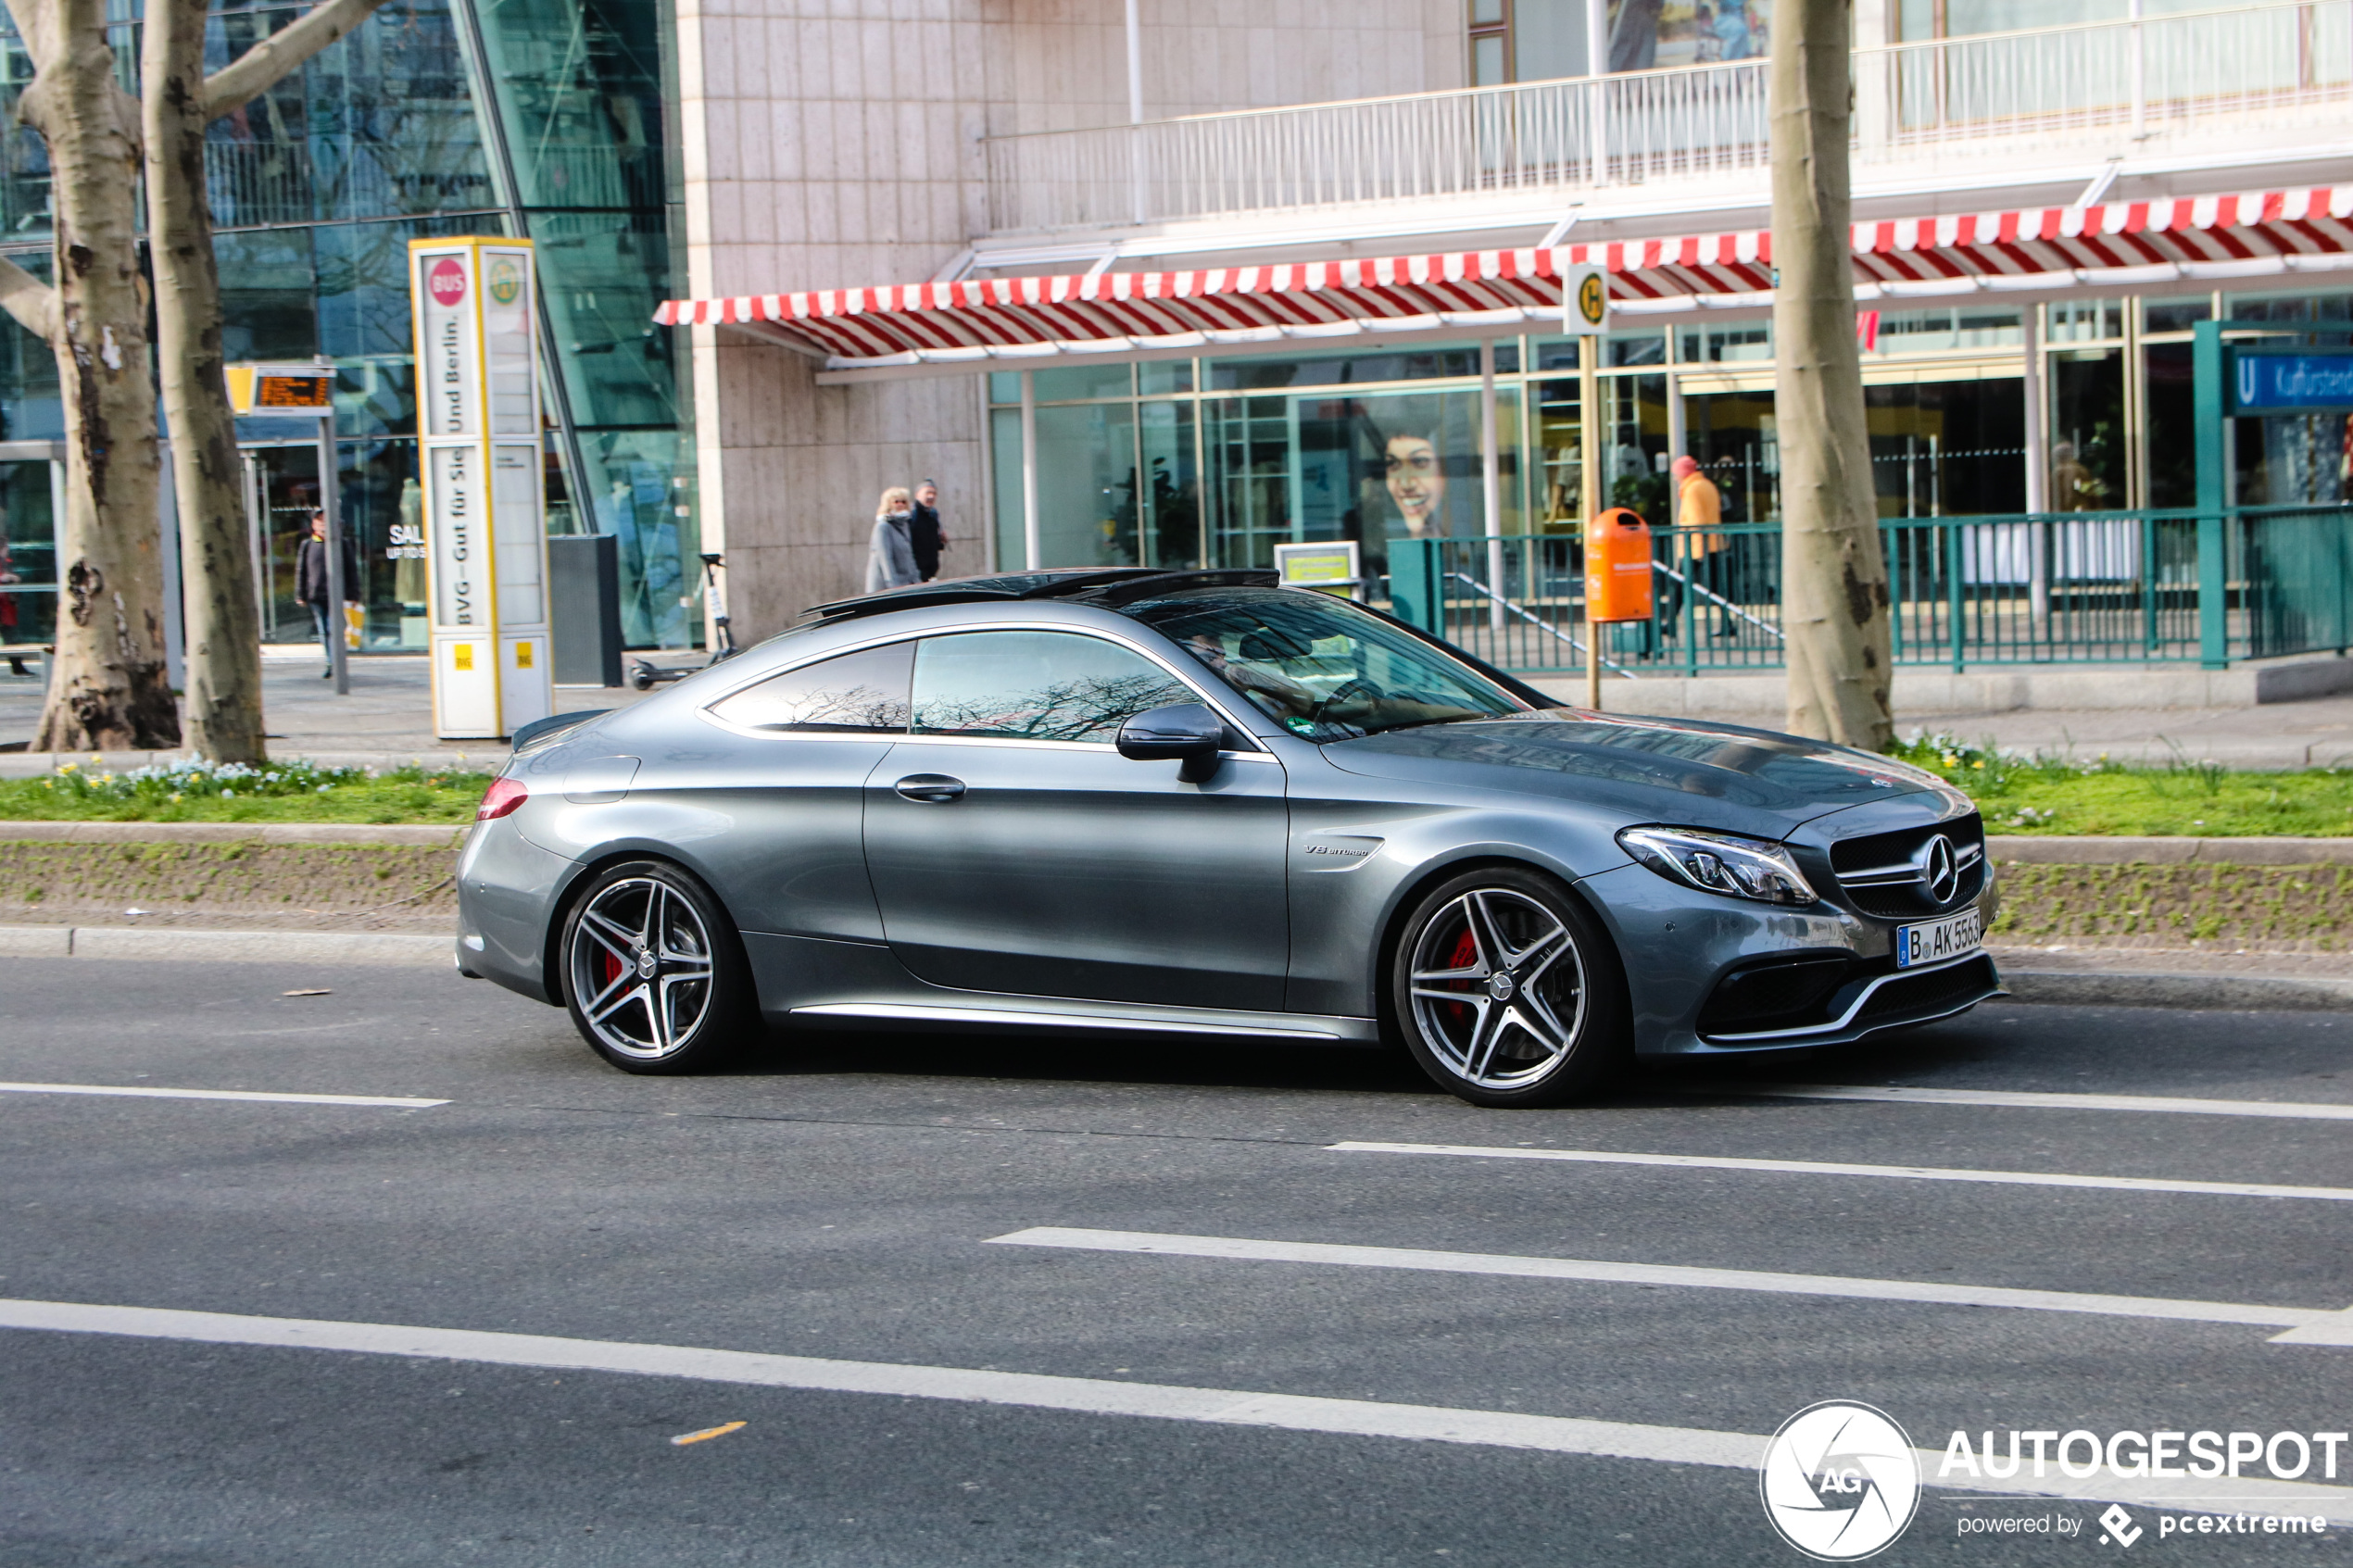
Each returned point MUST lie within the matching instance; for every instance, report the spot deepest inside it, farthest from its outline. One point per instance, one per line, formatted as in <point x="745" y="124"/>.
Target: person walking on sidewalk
<point x="890" y="554"/>
<point x="928" y="537"/>
<point x="1699" y="508"/>
<point x="312" y="587"/>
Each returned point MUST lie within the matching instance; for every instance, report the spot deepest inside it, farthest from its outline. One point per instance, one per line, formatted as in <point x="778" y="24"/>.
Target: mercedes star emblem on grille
<point x="1940" y="873"/>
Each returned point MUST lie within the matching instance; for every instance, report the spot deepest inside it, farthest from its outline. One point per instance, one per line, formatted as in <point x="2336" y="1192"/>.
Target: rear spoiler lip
<point x="539" y="730"/>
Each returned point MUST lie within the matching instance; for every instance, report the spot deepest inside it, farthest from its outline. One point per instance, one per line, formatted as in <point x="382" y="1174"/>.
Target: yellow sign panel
<point x="523" y="656"/>
<point x="463" y="655"/>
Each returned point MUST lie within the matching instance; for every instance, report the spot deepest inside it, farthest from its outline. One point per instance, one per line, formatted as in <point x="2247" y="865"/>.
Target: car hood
<point x="1650" y="769"/>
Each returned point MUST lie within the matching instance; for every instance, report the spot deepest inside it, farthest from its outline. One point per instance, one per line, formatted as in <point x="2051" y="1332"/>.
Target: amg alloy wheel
<point x="1507" y="992"/>
<point x="653" y="973"/>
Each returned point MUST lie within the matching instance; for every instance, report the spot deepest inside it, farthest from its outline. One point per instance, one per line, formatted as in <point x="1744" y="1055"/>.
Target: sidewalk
<point x="386" y="720"/>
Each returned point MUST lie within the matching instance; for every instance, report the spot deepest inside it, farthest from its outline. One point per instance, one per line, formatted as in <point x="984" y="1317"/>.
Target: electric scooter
<point x="645" y="676"/>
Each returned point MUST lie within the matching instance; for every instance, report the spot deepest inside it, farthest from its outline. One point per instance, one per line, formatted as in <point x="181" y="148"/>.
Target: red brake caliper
<point x="1465" y="954"/>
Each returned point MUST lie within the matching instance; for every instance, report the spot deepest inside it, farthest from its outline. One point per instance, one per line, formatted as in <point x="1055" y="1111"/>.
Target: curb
<point x="2186" y="992"/>
<point x="2057" y="850"/>
<point x="227" y="947"/>
<point x="436" y="836"/>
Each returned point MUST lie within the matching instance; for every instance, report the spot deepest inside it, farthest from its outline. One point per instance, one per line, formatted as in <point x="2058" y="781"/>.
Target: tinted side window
<point x="1035" y="686"/>
<point x="861" y="692"/>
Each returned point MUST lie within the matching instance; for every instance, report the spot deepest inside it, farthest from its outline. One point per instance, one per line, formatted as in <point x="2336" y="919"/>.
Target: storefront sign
<point x="2285" y="384"/>
<point x="484" y="528"/>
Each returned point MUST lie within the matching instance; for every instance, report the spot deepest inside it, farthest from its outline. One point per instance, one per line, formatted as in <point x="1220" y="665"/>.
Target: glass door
<point x="282" y="486"/>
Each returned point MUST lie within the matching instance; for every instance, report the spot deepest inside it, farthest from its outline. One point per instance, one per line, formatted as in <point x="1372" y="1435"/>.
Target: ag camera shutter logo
<point x="1840" y="1481"/>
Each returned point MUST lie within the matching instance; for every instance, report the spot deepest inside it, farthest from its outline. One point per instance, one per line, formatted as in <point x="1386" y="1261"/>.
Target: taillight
<point x="503" y="795"/>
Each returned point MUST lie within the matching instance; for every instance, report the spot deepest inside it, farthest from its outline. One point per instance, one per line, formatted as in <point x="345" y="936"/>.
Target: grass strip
<point x="2022" y="792"/>
<point x="204" y="792"/>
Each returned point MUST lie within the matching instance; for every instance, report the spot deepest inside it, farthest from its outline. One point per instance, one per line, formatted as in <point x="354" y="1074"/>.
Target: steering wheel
<point x="1354" y="686"/>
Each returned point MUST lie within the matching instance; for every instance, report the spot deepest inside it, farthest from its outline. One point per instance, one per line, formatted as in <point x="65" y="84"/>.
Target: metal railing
<point x="2032" y="99"/>
<point x="2041" y="589"/>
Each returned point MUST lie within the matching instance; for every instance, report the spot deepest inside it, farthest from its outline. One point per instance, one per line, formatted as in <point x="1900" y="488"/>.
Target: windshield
<point x="1320" y="667"/>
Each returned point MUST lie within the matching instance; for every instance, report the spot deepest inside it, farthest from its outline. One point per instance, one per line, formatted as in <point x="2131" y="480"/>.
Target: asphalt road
<point x="836" y="1198"/>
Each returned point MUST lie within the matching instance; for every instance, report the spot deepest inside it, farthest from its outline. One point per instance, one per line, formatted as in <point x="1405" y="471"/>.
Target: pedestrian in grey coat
<point x="890" y="559"/>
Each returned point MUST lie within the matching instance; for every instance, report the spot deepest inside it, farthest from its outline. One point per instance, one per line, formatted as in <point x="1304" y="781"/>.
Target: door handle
<point x="936" y="789"/>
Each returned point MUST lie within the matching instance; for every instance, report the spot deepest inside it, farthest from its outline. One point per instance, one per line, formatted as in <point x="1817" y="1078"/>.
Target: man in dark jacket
<point x="312" y="586"/>
<point x="924" y="531"/>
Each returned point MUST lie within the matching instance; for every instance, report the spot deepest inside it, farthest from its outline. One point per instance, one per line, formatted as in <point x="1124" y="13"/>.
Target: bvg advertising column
<point x="478" y="418"/>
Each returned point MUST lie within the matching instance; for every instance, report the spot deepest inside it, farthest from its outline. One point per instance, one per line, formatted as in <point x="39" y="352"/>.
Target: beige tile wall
<point x="831" y="144"/>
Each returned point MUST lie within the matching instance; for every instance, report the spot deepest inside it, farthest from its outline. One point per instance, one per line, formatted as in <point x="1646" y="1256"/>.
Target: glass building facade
<point x="539" y="117"/>
<point x="1214" y="461"/>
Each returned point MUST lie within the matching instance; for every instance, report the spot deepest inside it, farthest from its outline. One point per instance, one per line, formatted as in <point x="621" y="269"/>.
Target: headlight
<point x="1719" y="862"/>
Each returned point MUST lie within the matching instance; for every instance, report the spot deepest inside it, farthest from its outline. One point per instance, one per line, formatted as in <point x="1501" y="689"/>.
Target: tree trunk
<point x="110" y="691"/>
<point x="224" y="637"/>
<point x="223" y="629"/>
<point x="1835" y="606"/>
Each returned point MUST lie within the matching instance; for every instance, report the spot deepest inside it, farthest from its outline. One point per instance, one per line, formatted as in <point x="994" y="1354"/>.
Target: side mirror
<point x="1182" y="732"/>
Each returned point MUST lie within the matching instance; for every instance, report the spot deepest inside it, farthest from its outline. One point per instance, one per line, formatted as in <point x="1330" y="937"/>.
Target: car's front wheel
<point x="1507" y="990"/>
<point x="654" y="977"/>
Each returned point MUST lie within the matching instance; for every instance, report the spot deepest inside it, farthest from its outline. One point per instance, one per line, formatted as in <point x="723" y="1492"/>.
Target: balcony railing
<point x="2032" y="99"/>
<point x="2039" y="588"/>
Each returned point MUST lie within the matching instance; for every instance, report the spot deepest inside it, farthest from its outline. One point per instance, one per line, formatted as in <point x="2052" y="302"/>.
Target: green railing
<point x="2033" y="588"/>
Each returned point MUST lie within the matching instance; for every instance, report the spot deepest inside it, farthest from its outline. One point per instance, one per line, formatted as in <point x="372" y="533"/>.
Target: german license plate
<point x="1934" y="941"/>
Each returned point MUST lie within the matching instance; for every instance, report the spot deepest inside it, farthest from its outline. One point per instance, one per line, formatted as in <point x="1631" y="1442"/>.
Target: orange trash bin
<point x="1618" y="567"/>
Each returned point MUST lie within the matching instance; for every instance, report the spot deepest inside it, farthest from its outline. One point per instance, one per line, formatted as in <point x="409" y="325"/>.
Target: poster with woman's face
<point x="1423" y="465"/>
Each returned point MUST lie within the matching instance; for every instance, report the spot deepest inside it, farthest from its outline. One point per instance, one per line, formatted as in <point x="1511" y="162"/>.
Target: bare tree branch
<point x="30" y="301"/>
<point x="255" y="72"/>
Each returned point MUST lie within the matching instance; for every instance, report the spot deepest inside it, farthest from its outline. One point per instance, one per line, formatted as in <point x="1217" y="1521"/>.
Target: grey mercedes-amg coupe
<point x="1198" y="803"/>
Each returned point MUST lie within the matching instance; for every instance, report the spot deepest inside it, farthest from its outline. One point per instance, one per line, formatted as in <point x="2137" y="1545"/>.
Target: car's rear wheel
<point x="654" y="975"/>
<point x="1507" y="990"/>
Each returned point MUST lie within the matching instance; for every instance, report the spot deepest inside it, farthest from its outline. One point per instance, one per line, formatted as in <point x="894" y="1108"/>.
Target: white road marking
<point x="2312" y="1324"/>
<point x="398" y="1102"/>
<point x="2292" y="1110"/>
<point x="1089" y="1396"/>
<point x="1831" y="1168"/>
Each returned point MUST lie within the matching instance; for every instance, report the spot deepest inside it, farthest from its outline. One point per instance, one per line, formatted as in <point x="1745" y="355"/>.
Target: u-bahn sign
<point x="2290" y="384"/>
<point x="475" y="308"/>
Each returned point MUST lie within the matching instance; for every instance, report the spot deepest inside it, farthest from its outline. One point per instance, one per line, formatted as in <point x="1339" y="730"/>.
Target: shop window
<point x="1073" y="383"/>
<point x="2087" y="431"/>
<point x="1750" y="340"/>
<point x="2175" y="315"/>
<point x="2085" y="321"/>
<point x="2328" y="307"/>
<point x="1733" y="438"/>
<point x="1159" y="377"/>
<point x="1004" y="386"/>
<point x="2172" y="424"/>
<point x="1941" y="331"/>
<point x="1947" y="448"/>
<point x="1345" y="370"/>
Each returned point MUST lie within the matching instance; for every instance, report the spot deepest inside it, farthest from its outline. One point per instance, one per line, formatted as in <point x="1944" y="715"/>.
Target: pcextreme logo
<point x="1839" y="1481"/>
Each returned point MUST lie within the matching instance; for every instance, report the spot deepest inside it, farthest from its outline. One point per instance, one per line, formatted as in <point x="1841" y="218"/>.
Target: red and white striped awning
<point x="2040" y="250"/>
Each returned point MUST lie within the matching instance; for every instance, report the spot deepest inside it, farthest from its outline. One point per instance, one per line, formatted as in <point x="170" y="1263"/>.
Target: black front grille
<point x="1881" y="874"/>
<point x="1929" y="993"/>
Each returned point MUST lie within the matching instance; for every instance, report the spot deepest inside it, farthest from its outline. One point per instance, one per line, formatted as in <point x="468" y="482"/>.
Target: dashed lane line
<point x="2313" y="1110"/>
<point x="2304" y="1325"/>
<point x="1834" y="1167"/>
<point x="1089" y="1396"/>
<point x="397" y="1102"/>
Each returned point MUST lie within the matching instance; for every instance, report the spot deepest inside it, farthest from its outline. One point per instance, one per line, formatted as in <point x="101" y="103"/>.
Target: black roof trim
<point x="1110" y="585"/>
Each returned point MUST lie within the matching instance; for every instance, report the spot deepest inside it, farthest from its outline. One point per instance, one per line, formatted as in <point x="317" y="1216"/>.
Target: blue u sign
<point x="2262" y="384"/>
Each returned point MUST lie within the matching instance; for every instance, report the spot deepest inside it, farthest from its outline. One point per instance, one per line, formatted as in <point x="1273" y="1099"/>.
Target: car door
<point x="1013" y="850"/>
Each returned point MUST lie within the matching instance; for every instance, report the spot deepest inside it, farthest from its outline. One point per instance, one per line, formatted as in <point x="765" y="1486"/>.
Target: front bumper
<point x="1684" y="951"/>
